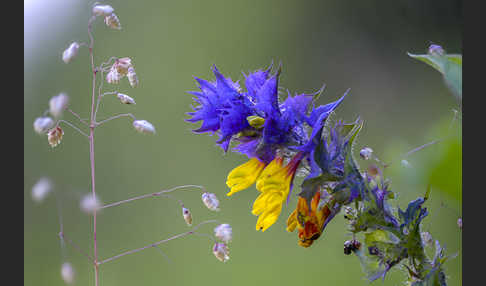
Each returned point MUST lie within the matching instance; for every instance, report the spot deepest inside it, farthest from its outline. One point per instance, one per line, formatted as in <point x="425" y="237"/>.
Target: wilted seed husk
<point x="221" y="251"/>
<point x="112" y="21"/>
<point x="54" y="136"/>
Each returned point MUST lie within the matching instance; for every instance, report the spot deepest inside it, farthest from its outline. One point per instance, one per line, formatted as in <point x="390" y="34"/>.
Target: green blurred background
<point x="360" y="45"/>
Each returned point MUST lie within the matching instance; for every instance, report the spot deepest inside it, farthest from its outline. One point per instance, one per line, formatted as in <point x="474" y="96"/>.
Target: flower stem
<point x="151" y="195"/>
<point x="155" y="244"/>
<point x="91" y="146"/>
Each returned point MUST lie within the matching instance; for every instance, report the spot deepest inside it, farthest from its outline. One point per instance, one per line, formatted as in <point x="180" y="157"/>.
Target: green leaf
<point x="350" y="165"/>
<point x="449" y="65"/>
<point x="376" y="236"/>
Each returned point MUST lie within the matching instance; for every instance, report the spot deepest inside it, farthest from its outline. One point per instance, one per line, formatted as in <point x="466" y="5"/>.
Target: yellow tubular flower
<point x="274" y="183"/>
<point x="244" y="175"/>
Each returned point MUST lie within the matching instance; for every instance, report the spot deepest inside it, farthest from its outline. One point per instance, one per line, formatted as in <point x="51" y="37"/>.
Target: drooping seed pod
<point x="54" y="136"/>
<point x="132" y="77"/>
<point x="112" y="21"/>
<point x="221" y="251"/>
<point x="122" y="65"/>
<point x="58" y="103"/>
<point x="143" y="126"/>
<point x="211" y="201"/>
<point x="70" y="53"/>
<point x="90" y="204"/>
<point x="113" y="77"/>
<point x="41" y="189"/>
<point x="125" y="98"/>
<point x="224" y="232"/>
<point x="43" y="124"/>
<point x="187" y="216"/>
<point x="103" y="10"/>
<point x="67" y="273"/>
<point x="366" y="153"/>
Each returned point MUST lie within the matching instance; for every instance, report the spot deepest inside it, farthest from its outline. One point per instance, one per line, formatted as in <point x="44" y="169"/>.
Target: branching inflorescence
<point x="116" y="69"/>
<point x="284" y="138"/>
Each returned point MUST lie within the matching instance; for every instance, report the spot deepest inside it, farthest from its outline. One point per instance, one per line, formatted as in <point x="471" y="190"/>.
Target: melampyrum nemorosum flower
<point x="263" y="128"/>
<point x="309" y="221"/>
<point x="275" y="184"/>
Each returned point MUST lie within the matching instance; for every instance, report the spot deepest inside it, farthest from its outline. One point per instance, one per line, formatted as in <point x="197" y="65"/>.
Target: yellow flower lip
<point x="274" y="184"/>
<point x="244" y="176"/>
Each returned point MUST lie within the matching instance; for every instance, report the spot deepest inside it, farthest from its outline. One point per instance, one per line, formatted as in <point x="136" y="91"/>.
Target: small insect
<point x="351" y="246"/>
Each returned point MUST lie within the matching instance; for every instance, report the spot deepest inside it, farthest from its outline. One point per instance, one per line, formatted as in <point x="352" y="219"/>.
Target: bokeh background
<point x="360" y="45"/>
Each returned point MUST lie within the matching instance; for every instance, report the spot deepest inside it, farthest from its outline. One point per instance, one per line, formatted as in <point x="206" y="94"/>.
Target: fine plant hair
<point x="112" y="70"/>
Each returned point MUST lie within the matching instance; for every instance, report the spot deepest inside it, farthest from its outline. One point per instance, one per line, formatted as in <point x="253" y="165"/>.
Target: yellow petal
<point x="260" y="204"/>
<point x="270" y="169"/>
<point x="292" y="221"/>
<point x="244" y="175"/>
<point x="268" y="218"/>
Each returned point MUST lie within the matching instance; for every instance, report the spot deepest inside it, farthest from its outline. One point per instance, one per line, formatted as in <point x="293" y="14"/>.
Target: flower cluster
<point x="278" y="136"/>
<point x="284" y="137"/>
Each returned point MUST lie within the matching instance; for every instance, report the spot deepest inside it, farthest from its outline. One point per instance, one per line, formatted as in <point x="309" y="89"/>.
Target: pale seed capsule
<point x="112" y="21"/>
<point x="125" y="98"/>
<point x="187" y="216"/>
<point x="57" y="104"/>
<point x="70" y="53"/>
<point x="67" y="273"/>
<point x="113" y="76"/>
<point x="132" y="77"/>
<point x="122" y="65"/>
<point x="211" y="201"/>
<point x="89" y="204"/>
<point x="103" y="10"/>
<point x="41" y="189"/>
<point x="221" y="251"/>
<point x="43" y="124"/>
<point x="54" y="136"/>
<point x="224" y="232"/>
<point x="144" y="126"/>
<point x="365" y="153"/>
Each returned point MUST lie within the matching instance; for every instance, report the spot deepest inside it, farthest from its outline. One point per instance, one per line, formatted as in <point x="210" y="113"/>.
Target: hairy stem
<point x="72" y="125"/>
<point x="151" y="195"/>
<point x="156" y="243"/>
<point x="115" y="117"/>
<point x="63" y="237"/>
<point x="91" y="145"/>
